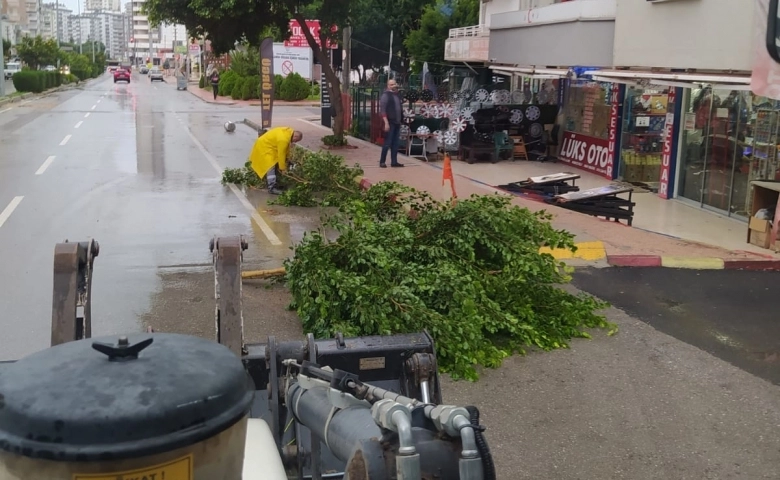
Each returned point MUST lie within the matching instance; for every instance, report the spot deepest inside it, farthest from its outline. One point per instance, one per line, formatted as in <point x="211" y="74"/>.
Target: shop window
<point x="642" y="139"/>
<point x="587" y="116"/>
<point x="730" y="137"/>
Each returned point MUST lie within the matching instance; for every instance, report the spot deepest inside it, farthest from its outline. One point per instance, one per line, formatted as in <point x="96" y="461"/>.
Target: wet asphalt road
<point x="732" y="315"/>
<point x="136" y="167"/>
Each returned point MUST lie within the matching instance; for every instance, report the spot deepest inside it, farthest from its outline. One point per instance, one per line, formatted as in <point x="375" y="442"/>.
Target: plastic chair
<point x="503" y="144"/>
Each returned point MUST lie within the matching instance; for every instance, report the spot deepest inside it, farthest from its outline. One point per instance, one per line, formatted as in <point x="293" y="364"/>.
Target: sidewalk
<point x="600" y="241"/>
<point x="208" y="97"/>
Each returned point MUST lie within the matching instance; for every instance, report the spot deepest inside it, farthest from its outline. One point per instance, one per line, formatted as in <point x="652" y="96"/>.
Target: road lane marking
<point x="264" y="227"/>
<point x="98" y="100"/>
<point x="6" y="110"/>
<point x="45" y="165"/>
<point x="93" y="107"/>
<point x="85" y="116"/>
<point x="65" y="140"/>
<point x="9" y="209"/>
<point x="78" y="124"/>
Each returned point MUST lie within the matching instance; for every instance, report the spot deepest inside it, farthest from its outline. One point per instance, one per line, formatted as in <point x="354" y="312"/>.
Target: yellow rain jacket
<point x="270" y="149"/>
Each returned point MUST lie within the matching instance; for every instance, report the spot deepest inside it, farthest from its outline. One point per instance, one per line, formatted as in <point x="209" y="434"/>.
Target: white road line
<point x="267" y="231"/>
<point x="99" y="100"/>
<point x="6" y="110"/>
<point x="65" y="140"/>
<point x="78" y="124"/>
<point x="93" y="107"/>
<point x="9" y="209"/>
<point x="45" y="165"/>
<point x="86" y="115"/>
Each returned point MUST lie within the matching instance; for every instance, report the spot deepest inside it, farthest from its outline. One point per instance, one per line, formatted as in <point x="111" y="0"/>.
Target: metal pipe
<point x="381" y="394"/>
<point x="470" y="465"/>
<point x="426" y="396"/>
<point x="340" y="429"/>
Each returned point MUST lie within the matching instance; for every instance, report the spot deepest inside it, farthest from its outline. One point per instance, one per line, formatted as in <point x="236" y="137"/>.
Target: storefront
<point x="647" y="140"/>
<point x="591" y="126"/>
<point x="729" y="138"/>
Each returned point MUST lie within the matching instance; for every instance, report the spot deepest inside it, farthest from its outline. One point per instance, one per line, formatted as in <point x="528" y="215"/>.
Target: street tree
<point x="6" y="49"/>
<point x="37" y="52"/>
<point x="426" y="43"/>
<point x="225" y="22"/>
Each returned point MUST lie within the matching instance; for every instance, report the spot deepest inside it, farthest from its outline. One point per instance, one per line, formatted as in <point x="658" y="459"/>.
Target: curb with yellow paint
<point x="693" y="263"/>
<point x="590" y="251"/>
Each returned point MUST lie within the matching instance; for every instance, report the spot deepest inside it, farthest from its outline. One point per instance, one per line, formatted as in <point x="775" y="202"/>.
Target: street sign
<point x="194" y="49"/>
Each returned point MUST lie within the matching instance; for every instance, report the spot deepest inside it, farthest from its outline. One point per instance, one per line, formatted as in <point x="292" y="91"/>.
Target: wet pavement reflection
<point x="138" y="168"/>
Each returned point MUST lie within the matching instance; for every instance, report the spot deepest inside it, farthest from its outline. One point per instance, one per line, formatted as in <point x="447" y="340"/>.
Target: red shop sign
<point x="588" y="153"/>
<point x="298" y="39"/>
<point x="613" y="125"/>
<point x="666" y="158"/>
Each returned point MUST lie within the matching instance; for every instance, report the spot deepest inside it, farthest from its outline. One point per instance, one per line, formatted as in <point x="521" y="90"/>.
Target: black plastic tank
<point x="136" y="407"/>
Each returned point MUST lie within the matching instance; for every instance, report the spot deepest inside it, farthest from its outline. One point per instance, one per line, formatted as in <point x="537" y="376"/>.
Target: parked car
<point x="155" y="74"/>
<point x="11" y="68"/>
<point x="121" y="75"/>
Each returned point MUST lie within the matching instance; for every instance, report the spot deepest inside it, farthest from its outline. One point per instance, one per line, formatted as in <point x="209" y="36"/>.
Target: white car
<point x="11" y="68"/>
<point x="155" y="74"/>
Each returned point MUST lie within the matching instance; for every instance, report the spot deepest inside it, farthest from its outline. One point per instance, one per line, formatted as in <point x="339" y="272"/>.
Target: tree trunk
<point x="334" y="85"/>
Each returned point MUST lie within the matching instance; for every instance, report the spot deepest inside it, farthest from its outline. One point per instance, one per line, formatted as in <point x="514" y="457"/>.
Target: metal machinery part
<point x="351" y="408"/>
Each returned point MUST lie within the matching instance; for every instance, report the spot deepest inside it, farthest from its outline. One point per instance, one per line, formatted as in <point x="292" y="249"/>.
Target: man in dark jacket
<point x="392" y="114"/>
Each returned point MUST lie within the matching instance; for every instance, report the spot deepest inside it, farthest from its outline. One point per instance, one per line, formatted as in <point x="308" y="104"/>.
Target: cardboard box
<point x="760" y="232"/>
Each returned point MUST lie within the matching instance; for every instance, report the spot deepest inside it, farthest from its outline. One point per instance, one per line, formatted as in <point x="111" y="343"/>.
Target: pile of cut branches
<point x="471" y="274"/>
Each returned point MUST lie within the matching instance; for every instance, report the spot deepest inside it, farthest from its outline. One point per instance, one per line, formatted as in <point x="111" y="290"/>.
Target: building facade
<point x="661" y="86"/>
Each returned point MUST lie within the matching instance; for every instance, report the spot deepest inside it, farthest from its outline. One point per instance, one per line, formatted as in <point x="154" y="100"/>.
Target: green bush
<point x="278" y="81"/>
<point x="29" y="81"/>
<point x="226" y="82"/>
<point x="202" y="81"/>
<point x="235" y="91"/>
<point x="246" y="88"/>
<point x="294" y="88"/>
<point x="315" y="89"/>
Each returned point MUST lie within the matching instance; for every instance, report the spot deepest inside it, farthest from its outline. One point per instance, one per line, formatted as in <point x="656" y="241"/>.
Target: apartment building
<point x="152" y="44"/>
<point x="15" y="22"/>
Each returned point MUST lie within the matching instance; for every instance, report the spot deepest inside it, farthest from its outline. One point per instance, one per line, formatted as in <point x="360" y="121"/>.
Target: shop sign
<point x="666" y="158"/>
<point x="613" y="124"/>
<point x="588" y="153"/>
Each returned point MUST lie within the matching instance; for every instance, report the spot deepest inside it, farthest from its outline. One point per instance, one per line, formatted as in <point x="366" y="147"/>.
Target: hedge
<point x="294" y="88"/>
<point x="36" y="81"/>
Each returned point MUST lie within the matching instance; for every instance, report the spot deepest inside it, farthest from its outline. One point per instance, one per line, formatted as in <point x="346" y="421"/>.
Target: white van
<point x="11" y="68"/>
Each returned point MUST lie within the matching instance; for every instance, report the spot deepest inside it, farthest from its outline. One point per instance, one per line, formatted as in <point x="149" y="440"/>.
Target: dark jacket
<point x="390" y="107"/>
<point x="214" y="78"/>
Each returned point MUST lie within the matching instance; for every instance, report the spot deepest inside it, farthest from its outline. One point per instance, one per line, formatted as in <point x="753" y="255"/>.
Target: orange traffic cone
<point x="448" y="176"/>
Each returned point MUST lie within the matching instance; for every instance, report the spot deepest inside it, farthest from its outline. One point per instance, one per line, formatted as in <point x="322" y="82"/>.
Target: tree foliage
<point x="6" y="49"/>
<point x="426" y="43"/>
<point x="37" y="52"/>
<point x="471" y="274"/>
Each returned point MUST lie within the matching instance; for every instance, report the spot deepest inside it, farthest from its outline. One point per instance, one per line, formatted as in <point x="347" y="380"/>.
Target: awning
<point x="672" y="79"/>
<point x="530" y="72"/>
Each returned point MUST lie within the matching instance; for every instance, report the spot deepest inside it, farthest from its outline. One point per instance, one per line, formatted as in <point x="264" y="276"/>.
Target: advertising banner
<point x="289" y="60"/>
<point x="765" y="80"/>
<point x="298" y="39"/>
<point x="267" y="80"/>
<point x="587" y="153"/>
<point x="666" y="158"/>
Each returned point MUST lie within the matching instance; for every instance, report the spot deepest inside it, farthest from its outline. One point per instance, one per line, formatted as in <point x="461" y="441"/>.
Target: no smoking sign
<point x="287" y="67"/>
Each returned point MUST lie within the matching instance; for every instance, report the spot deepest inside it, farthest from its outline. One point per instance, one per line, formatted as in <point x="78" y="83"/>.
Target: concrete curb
<point x="691" y="263"/>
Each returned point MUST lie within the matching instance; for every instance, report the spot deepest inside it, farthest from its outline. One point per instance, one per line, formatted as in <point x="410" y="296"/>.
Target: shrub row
<point x="291" y="89"/>
<point x="37" y="81"/>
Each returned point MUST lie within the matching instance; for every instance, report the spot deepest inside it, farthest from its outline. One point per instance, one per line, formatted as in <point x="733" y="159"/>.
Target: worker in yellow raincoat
<point x="269" y="154"/>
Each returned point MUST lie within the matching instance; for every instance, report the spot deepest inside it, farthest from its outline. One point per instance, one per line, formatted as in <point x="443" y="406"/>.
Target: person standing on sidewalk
<point x="269" y="154"/>
<point x="214" y="78"/>
<point x="392" y="114"/>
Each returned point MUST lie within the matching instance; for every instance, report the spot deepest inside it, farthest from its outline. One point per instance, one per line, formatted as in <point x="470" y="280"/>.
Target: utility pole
<point x="81" y="41"/>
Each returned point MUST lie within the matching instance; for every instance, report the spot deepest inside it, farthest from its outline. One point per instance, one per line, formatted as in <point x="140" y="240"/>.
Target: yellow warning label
<point x="179" y="469"/>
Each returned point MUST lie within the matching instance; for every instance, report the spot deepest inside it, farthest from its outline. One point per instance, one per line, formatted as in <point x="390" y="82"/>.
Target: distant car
<point x="122" y="76"/>
<point x="50" y="68"/>
<point x="143" y="70"/>
<point x="113" y="68"/>
<point x="11" y="68"/>
<point x="155" y="74"/>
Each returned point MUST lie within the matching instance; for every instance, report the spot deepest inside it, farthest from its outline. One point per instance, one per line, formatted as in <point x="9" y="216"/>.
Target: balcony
<point x="467" y="44"/>
<point x="576" y="32"/>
